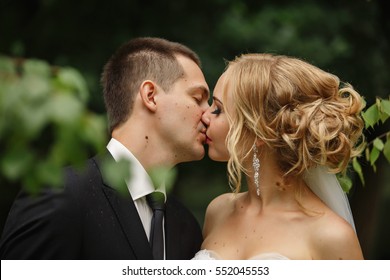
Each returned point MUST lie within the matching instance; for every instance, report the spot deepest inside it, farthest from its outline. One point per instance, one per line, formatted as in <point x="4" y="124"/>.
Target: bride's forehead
<point x="220" y="83"/>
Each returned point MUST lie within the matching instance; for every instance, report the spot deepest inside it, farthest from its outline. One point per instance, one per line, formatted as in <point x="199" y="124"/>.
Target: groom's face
<point x="181" y="110"/>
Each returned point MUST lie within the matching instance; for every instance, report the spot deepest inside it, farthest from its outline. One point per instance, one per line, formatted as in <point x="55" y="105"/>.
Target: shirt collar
<point x="140" y="184"/>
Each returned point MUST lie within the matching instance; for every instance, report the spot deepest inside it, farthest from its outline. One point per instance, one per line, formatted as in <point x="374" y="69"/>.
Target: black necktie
<point x="156" y="202"/>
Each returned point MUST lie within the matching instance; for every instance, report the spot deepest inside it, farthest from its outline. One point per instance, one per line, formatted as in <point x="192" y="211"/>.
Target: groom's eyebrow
<point x="216" y="99"/>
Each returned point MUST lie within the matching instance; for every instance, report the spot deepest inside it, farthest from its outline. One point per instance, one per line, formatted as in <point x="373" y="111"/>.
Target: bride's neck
<point x="274" y="187"/>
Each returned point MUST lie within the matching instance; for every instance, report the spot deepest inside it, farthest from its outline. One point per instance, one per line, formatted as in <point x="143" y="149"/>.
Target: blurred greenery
<point x="349" y="38"/>
<point x="45" y="123"/>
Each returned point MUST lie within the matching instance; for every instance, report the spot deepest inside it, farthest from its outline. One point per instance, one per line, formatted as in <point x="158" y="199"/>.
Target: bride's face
<point x="217" y="125"/>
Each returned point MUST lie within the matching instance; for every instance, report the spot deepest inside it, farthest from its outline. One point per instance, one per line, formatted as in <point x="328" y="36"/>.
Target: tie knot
<point x="156" y="200"/>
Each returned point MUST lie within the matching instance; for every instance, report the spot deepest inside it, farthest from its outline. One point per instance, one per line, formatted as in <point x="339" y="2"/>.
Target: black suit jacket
<point x="89" y="219"/>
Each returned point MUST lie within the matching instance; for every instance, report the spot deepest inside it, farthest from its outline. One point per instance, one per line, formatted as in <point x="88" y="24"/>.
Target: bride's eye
<point x="217" y="111"/>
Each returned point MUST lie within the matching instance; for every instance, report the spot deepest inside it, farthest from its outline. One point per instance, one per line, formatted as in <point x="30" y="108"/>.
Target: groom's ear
<point x="148" y="91"/>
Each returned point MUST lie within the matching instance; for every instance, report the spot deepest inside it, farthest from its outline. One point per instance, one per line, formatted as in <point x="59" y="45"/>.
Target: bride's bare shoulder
<point x="336" y="239"/>
<point x="220" y="202"/>
<point x="217" y="210"/>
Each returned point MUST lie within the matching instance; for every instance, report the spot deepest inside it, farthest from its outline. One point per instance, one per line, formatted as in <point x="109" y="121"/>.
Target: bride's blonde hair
<point x="297" y="109"/>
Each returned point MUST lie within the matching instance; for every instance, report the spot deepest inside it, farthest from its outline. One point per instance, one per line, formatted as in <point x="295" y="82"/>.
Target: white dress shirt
<point x="139" y="184"/>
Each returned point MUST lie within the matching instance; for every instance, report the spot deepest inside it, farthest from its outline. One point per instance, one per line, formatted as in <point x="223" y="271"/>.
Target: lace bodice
<point x="211" y="255"/>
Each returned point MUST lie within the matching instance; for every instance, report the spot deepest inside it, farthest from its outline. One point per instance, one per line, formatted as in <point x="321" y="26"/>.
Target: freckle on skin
<point x="146" y="137"/>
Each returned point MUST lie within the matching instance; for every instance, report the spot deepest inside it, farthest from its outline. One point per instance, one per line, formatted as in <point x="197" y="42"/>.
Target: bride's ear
<point x="148" y="91"/>
<point x="259" y="142"/>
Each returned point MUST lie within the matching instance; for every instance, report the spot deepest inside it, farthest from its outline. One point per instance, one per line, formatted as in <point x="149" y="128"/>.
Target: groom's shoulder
<point x="84" y="172"/>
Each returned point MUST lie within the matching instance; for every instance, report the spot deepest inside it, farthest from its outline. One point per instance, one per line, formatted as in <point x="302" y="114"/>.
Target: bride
<point x="287" y="127"/>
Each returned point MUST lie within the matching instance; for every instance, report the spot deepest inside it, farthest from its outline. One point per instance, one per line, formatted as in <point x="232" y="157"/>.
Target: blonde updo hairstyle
<point x="295" y="108"/>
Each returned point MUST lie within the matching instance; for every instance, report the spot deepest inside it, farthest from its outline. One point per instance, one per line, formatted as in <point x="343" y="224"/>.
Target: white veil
<point x="326" y="186"/>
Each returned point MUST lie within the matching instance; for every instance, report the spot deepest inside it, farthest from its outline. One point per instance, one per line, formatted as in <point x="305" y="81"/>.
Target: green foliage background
<point x="63" y="106"/>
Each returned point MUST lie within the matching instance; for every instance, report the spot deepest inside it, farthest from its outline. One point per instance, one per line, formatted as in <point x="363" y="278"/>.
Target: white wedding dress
<point x="211" y="255"/>
<point x="326" y="186"/>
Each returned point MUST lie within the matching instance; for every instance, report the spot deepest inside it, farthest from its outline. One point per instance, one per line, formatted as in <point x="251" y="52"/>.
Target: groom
<point x="155" y="94"/>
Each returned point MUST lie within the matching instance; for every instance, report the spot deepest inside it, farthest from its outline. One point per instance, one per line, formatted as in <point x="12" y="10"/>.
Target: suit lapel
<point x="127" y="215"/>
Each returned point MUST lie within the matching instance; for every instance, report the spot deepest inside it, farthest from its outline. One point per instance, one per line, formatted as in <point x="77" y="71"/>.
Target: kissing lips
<point x="208" y="140"/>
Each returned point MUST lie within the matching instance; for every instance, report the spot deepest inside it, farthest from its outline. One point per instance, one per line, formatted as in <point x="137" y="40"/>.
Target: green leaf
<point x="163" y="176"/>
<point x="35" y="88"/>
<point x="367" y="153"/>
<point x="94" y="131"/>
<point x="385" y="105"/>
<point x="69" y="148"/>
<point x="358" y="168"/>
<point x="36" y="67"/>
<point x="116" y="174"/>
<point x="64" y="108"/>
<point x="16" y="162"/>
<point x="383" y="117"/>
<point x="385" y="110"/>
<point x="386" y="150"/>
<point x="12" y="93"/>
<point x="49" y="173"/>
<point x="378" y="143"/>
<point x="374" y="155"/>
<point x="31" y="183"/>
<point x="33" y="119"/>
<point x="371" y="116"/>
<point x="72" y="80"/>
<point x="345" y="182"/>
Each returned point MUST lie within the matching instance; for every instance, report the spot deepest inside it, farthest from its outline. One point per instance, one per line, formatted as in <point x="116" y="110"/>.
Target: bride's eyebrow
<point x="217" y="100"/>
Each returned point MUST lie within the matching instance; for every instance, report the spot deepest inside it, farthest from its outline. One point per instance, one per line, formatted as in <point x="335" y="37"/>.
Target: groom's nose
<point x="206" y="117"/>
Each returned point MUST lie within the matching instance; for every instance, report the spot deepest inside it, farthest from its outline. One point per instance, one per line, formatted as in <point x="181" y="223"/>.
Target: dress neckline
<point x="262" y="256"/>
